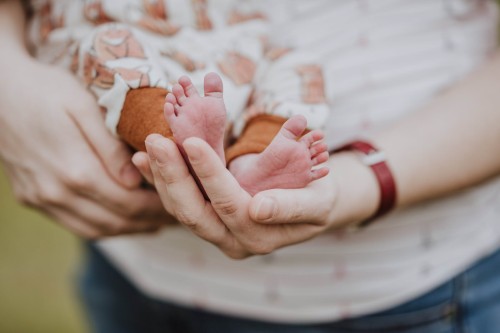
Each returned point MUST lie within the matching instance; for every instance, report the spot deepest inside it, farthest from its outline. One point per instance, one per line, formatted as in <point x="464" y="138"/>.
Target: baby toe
<point x="213" y="85"/>
<point x="178" y="92"/>
<point x="320" y="158"/>
<point x="317" y="149"/>
<point x="294" y="127"/>
<point x="312" y="137"/>
<point x="187" y="85"/>
<point x="169" y="111"/>
<point x="319" y="173"/>
<point x="170" y="98"/>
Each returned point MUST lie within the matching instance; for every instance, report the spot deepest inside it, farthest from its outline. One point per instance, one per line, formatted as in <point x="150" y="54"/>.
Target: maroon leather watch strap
<point x="376" y="160"/>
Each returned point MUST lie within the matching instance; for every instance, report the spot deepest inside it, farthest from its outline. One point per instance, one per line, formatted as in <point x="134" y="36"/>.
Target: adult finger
<point x="74" y="224"/>
<point x="111" y="222"/>
<point x="83" y="228"/>
<point x="185" y="199"/>
<point x="230" y="202"/>
<point x="238" y="237"/>
<point x="158" y="182"/>
<point x="114" y="154"/>
<point x="289" y="206"/>
<point x="226" y="195"/>
<point x="83" y="173"/>
<point x="127" y="203"/>
<point x="98" y="217"/>
<point x="141" y="161"/>
<point x="174" y="182"/>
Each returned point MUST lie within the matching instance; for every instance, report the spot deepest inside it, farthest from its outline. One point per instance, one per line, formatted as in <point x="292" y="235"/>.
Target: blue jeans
<point x="468" y="303"/>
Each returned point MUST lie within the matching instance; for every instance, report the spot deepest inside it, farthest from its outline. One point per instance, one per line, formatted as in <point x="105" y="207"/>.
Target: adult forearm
<point x="12" y="33"/>
<point x="56" y="151"/>
<point x="452" y="143"/>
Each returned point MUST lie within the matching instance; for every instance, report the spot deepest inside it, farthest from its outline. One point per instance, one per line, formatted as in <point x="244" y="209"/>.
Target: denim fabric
<point x="468" y="303"/>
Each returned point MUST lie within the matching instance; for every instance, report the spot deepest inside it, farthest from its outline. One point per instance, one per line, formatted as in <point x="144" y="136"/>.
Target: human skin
<point x="57" y="153"/>
<point x="449" y="145"/>
<point x="287" y="162"/>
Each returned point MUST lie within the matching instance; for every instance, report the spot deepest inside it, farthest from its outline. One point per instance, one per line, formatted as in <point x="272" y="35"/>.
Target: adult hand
<point x="234" y="221"/>
<point x="61" y="159"/>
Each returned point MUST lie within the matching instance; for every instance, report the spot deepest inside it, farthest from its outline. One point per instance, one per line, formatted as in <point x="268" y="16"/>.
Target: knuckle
<point x="129" y="211"/>
<point x="234" y="250"/>
<point x="152" y="210"/>
<point x="237" y="255"/>
<point x="22" y="198"/>
<point x="130" y="207"/>
<point x="77" y="178"/>
<point x="187" y="218"/>
<point x="113" y="226"/>
<point x="292" y="212"/>
<point x="225" y="206"/>
<point x="24" y="195"/>
<point x="91" y="234"/>
<point x="28" y="202"/>
<point x="50" y="195"/>
<point x="295" y="214"/>
<point x="261" y="248"/>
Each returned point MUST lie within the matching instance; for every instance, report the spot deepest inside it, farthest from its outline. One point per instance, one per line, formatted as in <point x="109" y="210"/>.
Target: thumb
<point x="280" y="206"/>
<point x="113" y="154"/>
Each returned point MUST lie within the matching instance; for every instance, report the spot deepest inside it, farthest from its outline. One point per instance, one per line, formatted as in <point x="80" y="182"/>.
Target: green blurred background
<point x="38" y="261"/>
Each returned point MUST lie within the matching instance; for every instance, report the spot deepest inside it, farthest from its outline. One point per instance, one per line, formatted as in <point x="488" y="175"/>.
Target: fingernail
<point x="130" y="175"/>
<point x="149" y="150"/>
<point x="266" y="208"/>
<point x="161" y="153"/>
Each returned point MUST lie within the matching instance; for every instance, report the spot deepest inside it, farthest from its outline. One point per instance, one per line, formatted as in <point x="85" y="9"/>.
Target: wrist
<point x="358" y="194"/>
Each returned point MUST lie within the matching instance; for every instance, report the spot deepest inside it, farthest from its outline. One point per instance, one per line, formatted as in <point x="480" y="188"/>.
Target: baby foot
<point x="286" y="163"/>
<point x="190" y="114"/>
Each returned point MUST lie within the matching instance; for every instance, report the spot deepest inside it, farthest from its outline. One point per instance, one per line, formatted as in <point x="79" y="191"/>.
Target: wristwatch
<point x="377" y="161"/>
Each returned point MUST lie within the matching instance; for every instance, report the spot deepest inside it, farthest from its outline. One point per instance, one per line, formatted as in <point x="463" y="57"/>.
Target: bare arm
<point x="12" y="22"/>
<point x="451" y="144"/>
<point x="55" y="150"/>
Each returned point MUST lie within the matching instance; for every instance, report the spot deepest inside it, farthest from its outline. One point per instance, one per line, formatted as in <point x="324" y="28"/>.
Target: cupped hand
<point x="240" y="225"/>
<point x="61" y="159"/>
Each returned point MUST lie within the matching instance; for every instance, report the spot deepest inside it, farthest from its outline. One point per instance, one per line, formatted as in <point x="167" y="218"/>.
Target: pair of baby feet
<point x="287" y="162"/>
